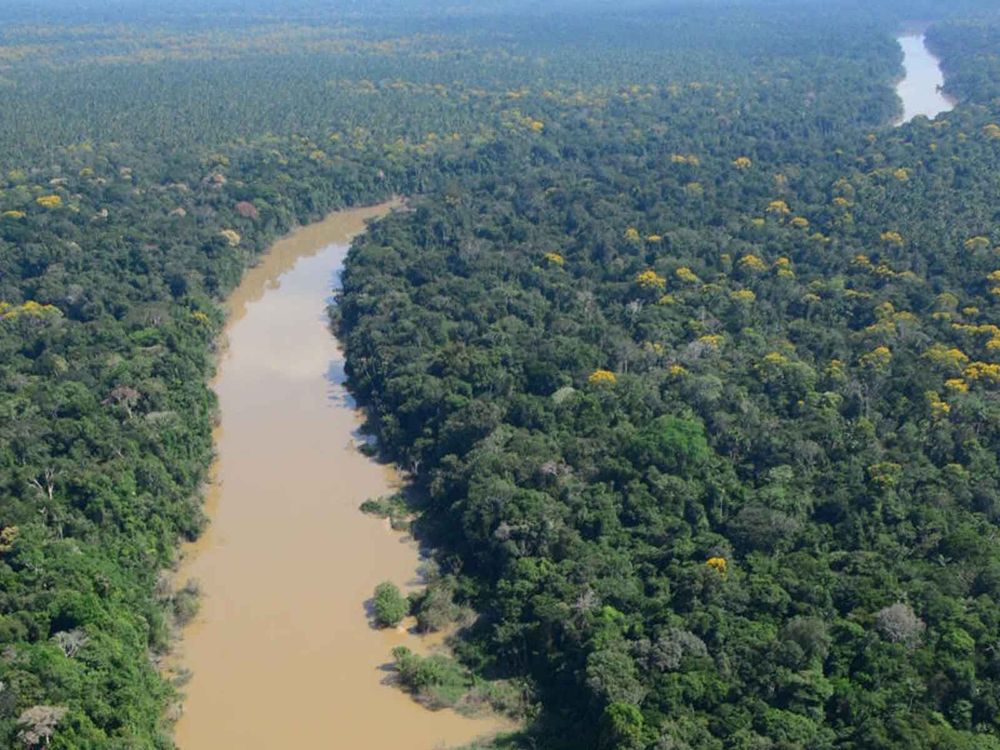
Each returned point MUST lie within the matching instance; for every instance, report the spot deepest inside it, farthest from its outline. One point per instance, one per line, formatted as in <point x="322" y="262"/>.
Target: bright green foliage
<point x="389" y="605"/>
<point x="438" y="680"/>
<point x="622" y="727"/>
<point x="671" y="444"/>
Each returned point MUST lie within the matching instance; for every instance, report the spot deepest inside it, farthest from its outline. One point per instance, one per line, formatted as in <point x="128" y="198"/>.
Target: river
<point x="282" y="653"/>
<point x="920" y="88"/>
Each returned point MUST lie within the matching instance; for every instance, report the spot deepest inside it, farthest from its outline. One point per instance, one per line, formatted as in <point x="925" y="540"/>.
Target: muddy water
<point x="282" y="652"/>
<point x="920" y="88"/>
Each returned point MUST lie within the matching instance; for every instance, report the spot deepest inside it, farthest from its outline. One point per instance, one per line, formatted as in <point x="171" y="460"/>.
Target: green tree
<point x="389" y="605"/>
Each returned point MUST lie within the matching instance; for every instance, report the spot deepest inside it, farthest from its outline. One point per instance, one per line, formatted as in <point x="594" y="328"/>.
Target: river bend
<point x="281" y="652"/>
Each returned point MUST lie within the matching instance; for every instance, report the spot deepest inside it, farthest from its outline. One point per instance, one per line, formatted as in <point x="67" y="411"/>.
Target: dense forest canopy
<point x="693" y="357"/>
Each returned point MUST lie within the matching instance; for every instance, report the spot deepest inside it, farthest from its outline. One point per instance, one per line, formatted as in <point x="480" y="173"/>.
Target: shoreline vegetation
<point x="437" y="679"/>
<point x="692" y="361"/>
<point x="280" y="353"/>
<point x="183" y="601"/>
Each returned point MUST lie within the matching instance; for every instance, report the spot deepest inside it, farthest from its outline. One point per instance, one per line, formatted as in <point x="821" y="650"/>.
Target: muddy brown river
<point x="281" y="652"/>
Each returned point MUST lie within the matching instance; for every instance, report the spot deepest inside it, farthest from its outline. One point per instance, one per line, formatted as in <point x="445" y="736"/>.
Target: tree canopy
<point x="693" y="358"/>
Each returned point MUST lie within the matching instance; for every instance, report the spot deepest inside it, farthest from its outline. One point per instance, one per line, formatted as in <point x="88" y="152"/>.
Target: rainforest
<point x="678" y="329"/>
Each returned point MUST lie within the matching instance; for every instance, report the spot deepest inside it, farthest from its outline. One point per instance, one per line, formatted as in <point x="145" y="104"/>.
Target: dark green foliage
<point x="968" y="48"/>
<point x="767" y="429"/>
<point x="853" y="496"/>
<point x="435" y="607"/>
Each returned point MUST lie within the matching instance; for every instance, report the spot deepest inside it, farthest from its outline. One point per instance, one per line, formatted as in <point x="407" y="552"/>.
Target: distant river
<point x="282" y="653"/>
<point x="920" y="88"/>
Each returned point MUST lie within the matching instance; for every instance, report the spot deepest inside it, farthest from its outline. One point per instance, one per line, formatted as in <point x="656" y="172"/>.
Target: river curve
<point x="920" y="88"/>
<point x="282" y="653"/>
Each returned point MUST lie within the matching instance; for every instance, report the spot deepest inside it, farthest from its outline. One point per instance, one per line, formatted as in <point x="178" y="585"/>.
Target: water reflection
<point x="920" y="89"/>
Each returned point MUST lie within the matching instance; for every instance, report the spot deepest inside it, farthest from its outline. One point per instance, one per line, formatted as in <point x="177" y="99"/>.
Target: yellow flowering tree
<point x="650" y="279"/>
<point x="977" y="243"/>
<point x="953" y="359"/>
<point x="985" y="371"/>
<point x="939" y="409"/>
<point x="8" y="535"/>
<point x="602" y="377"/>
<point x="718" y="564"/>
<point x="49" y="201"/>
<point x="713" y="340"/>
<point x="752" y="263"/>
<point x="686" y="275"/>
<point x="877" y="360"/>
<point x="29" y="309"/>
<point x="957" y="385"/>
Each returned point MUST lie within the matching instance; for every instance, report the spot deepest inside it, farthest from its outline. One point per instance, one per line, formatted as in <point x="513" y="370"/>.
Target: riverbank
<point x="282" y="652"/>
<point x="920" y="88"/>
